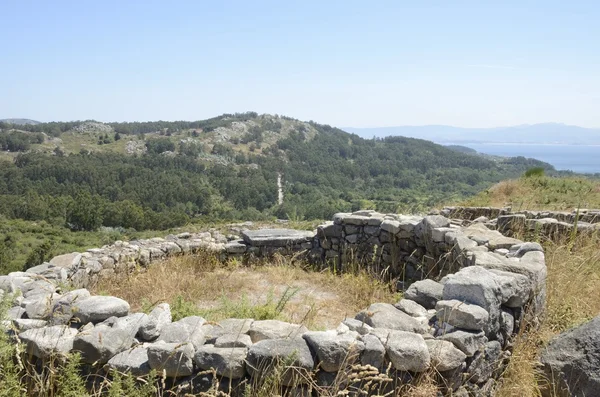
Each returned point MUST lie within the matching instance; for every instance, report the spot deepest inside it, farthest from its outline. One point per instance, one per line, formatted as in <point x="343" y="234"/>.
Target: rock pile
<point x="459" y="325"/>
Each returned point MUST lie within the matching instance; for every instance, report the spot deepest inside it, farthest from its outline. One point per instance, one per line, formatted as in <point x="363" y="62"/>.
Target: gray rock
<point x="373" y="352"/>
<point x="175" y="359"/>
<point x="519" y="250"/>
<point x="425" y="292"/>
<point x="265" y="355"/>
<point x="101" y="343"/>
<point x="571" y="361"/>
<point x="276" y="237"/>
<point x="62" y="311"/>
<point x="188" y="329"/>
<point x="98" y="308"/>
<point x="411" y="308"/>
<point x="493" y="238"/>
<point x="467" y="342"/>
<point x="132" y="361"/>
<point x="39" y="287"/>
<point x="476" y="286"/>
<point x="130" y="323"/>
<point x="485" y="362"/>
<point x="235" y="247"/>
<point x="407" y="351"/>
<point x="23" y="324"/>
<point x="44" y="342"/>
<point x="431" y="222"/>
<point x="40" y="306"/>
<point x="228" y="362"/>
<point x="385" y="315"/>
<point x="226" y="327"/>
<point x="67" y="261"/>
<point x="333" y="350"/>
<point x="390" y="226"/>
<point x="233" y="340"/>
<point x="515" y="288"/>
<point x="158" y="318"/>
<point x="274" y="329"/>
<point x="15" y="313"/>
<point x="462" y="315"/>
<point x="444" y="356"/>
<point x="356" y="325"/>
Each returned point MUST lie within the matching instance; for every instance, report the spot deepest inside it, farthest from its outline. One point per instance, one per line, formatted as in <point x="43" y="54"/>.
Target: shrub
<point x="535" y="172"/>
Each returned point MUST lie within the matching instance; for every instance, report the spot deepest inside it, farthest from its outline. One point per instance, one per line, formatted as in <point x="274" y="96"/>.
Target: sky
<point x="345" y="63"/>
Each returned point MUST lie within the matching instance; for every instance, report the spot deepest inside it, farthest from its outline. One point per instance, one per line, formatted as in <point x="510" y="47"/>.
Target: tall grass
<point x="573" y="297"/>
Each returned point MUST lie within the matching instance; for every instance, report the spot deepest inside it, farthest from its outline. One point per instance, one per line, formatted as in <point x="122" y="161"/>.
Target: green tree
<point x="42" y="253"/>
<point x="7" y="252"/>
<point x="85" y="212"/>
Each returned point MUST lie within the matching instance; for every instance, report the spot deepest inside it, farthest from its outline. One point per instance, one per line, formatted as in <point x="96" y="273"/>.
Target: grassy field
<point x="541" y="193"/>
<point x="280" y="289"/>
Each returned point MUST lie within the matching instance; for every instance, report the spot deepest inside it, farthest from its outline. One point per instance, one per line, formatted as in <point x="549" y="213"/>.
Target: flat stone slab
<point x="276" y="237"/>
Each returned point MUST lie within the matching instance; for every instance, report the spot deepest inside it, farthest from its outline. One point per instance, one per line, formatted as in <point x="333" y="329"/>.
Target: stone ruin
<point x="553" y="225"/>
<point x="467" y="291"/>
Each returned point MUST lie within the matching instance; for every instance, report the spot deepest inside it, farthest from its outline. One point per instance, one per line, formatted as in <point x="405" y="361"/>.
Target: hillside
<point x="157" y="175"/>
<point x="19" y="121"/>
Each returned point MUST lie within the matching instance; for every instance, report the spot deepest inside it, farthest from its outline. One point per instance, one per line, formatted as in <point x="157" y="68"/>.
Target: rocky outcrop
<point x="571" y="362"/>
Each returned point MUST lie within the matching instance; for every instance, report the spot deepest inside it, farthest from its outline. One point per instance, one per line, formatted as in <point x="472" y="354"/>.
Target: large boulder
<point x="274" y="329"/>
<point x="572" y="361"/>
<point x="385" y="315"/>
<point x="276" y="237"/>
<point x="101" y="343"/>
<point x="133" y="361"/>
<point x="444" y="355"/>
<point x="99" y="308"/>
<point x="62" y="311"/>
<point x="293" y="355"/>
<point x="333" y="350"/>
<point x="175" y="359"/>
<point x="158" y="318"/>
<point x="425" y="292"/>
<point x="373" y="353"/>
<point x="44" y="342"/>
<point x="228" y="362"/>
<point x="407" y="351"/>
<point x="462" y="315"/>
<point x="230" y="326"/>
<point x="477" y="286"/>
<point x="467" y="342"/>
<point x="188" y="329"/>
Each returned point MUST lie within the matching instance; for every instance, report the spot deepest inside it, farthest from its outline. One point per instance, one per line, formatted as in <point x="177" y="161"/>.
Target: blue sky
<point x="345" y="63"/>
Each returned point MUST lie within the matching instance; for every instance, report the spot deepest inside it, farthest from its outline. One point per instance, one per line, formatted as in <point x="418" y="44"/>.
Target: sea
<point x="577" y="158"/>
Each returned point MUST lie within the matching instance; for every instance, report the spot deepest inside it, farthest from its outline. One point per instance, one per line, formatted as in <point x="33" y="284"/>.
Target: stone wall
<point x="549" y="224"/>
<point x="458" y="320"/>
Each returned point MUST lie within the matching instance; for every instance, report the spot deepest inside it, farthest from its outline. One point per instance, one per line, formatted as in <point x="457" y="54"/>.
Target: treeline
<point x="333" y="171"/>
<point x="86" y="191"/>
<point x="17" y="141"/>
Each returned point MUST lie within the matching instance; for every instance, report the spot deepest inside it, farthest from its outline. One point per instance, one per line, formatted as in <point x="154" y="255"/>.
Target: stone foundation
<point x="467" y="291"/>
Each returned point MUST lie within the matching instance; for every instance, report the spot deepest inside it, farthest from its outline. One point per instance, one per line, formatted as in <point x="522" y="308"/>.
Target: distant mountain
<point x="555" y="133"/>
<point x="20" y="121"/>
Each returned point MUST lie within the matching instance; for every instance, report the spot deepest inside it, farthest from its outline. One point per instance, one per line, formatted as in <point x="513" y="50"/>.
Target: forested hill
<point x="157" y="175"/>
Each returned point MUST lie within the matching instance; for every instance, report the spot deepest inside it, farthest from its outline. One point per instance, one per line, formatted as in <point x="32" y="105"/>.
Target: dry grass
<point x="541" y="193"/>
<point x="317" y="299"/>
<point x="573" y="297"/>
